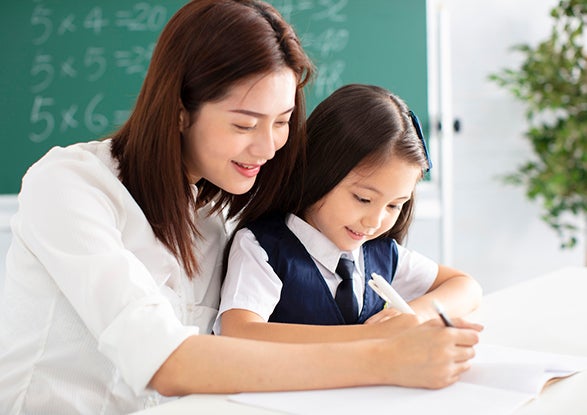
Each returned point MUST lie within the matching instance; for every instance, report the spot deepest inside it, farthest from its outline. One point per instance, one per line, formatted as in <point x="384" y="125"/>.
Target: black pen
<point x="443" y="316"/>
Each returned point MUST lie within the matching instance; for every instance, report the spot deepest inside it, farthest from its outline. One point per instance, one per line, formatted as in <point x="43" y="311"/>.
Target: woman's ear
<point x="183" y="119"/>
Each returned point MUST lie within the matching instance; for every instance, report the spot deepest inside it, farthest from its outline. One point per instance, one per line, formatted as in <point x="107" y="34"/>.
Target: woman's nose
<point x="263" y="146"/>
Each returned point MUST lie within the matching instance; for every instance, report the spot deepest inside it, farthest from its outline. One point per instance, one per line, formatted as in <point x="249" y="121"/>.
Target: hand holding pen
<point x="393" y="299"/>
<point x="440" y="310"/>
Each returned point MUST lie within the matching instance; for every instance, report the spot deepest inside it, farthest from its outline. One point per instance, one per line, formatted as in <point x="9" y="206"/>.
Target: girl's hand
<point x="383" y="315"/>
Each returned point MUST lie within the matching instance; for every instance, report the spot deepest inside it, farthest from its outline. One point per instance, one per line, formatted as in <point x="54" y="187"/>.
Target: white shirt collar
<point x="317" y="244"/>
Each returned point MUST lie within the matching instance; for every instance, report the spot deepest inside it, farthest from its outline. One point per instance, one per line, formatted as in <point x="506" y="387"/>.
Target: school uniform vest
<point x="305" y="296"/>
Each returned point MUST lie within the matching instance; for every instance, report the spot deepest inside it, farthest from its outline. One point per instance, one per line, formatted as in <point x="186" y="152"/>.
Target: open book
<point x="500" y="380"/>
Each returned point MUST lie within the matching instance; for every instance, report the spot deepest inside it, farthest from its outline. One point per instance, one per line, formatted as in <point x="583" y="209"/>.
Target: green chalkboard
<point x="379" y="42"/>
<point x="71" y="69"/>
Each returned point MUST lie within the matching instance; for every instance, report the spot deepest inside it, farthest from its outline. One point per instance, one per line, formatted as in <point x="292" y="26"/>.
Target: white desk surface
<point x="547" y="314"/>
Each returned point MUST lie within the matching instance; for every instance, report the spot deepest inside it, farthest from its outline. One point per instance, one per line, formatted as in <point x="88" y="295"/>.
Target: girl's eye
<point x="361" y="199"/>
<point x="281" y="123"/>
<point x="395" y="207"/>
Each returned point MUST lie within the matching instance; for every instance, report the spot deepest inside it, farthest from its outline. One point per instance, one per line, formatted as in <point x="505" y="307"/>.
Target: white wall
<point x="498" y="234"/>
<point x="7" y="209"/>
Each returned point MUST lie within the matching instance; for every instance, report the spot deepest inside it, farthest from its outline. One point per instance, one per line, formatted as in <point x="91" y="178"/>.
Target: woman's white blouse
<point x="93" y="303"/>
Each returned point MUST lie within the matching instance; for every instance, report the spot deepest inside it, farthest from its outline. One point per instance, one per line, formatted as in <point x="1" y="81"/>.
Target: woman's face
<point x="228" y="141"/>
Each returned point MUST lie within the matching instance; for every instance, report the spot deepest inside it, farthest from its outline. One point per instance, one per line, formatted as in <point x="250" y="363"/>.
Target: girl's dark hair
<point x="356" y="125"/>
<point x="206" y="48"/>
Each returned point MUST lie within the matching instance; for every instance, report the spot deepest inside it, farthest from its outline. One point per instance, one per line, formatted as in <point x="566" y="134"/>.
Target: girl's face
<point x="229" y="140"/>
<point x="365" y="204"/>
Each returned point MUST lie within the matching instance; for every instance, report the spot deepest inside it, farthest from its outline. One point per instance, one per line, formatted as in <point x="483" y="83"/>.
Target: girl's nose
<point x="373" y="219"/>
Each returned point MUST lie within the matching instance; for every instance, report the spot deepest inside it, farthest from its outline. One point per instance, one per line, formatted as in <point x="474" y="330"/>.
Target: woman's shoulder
<point x="82" y="174"/>
<point x="83" y="152"/>
<point x="89" y="160"/>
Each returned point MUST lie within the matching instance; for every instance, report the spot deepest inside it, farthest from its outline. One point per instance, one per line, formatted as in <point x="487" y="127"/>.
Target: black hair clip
<point x="418" y="128"/>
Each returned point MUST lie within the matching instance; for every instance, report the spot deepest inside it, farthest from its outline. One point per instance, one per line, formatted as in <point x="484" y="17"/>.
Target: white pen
<point x="386" y="291"/>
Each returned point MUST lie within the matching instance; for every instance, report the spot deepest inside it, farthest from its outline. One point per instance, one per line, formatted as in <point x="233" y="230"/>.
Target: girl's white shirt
<point x="93" y="303"/>
<point x="252" y="284"/>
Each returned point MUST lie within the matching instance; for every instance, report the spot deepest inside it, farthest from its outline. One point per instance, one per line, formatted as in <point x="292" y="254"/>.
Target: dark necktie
<point x="345" y="297"/>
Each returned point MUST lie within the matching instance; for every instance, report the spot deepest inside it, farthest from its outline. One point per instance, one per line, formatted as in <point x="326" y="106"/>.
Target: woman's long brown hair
<point x="207" y="47"/>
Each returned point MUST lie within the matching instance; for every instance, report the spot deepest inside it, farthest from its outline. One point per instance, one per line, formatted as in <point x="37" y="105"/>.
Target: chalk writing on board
<point x="58" y="66"/>
<point x="325" y="42"/>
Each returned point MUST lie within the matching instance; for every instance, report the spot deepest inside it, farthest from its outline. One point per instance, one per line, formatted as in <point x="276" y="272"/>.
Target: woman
<point x="113" y="274"/>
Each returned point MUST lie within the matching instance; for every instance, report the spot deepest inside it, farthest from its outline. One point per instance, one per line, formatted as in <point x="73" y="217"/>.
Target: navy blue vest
<point x="305" y="297"/>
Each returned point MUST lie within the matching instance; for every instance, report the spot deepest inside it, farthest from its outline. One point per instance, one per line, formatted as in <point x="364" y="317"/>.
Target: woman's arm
<point x="428" y="355"/>
<point x="458" y="292"/>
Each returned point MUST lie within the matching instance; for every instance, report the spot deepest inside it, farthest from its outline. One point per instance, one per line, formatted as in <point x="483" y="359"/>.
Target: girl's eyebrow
<point x="258" y="114"/>
<point x="373" y="189"/>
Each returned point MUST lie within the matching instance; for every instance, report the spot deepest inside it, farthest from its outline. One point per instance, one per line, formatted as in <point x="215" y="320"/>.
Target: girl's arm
<point x="428" y="355"/>
<point x="251" y="290"/>
<point x="458" y="292"/>
<point x="247" y="324"/>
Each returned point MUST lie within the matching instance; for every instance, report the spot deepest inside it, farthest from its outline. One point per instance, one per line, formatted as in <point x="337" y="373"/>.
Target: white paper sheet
<point x="500" y="381"/>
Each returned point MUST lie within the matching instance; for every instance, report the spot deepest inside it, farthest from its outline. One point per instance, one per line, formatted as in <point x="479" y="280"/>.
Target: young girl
<point x="365" y="155"/>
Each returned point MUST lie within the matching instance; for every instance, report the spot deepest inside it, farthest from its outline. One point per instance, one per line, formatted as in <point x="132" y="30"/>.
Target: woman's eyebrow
<point x="258" y="114"/>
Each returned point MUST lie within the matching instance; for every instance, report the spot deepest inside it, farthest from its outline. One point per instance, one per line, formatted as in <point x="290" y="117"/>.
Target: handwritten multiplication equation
<point x="106" y="51"/>
<point x="321" y="25"/>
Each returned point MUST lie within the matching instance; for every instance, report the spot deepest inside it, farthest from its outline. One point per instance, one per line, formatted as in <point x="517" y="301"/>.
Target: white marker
<point x="386" y="291"/>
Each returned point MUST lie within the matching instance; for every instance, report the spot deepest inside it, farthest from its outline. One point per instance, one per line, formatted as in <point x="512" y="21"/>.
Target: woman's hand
<point x="431" y="355"/>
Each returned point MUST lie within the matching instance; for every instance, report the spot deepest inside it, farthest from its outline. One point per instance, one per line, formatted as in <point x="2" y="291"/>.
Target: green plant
<point x="552" y="82"/>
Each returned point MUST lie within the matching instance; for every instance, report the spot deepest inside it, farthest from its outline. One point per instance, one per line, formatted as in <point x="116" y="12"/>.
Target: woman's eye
<point x="281" y="123"/>
<point x="244" y="127"/>
<point x="395" y="207"/>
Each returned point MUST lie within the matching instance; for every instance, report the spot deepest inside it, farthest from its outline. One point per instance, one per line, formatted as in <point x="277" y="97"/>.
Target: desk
<point x="545" y="314"/>
<point x="548" y="314"/>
